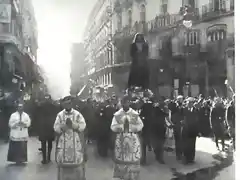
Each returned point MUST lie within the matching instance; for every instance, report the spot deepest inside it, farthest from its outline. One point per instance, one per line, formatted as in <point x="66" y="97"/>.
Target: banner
<point x="5" y="13"/>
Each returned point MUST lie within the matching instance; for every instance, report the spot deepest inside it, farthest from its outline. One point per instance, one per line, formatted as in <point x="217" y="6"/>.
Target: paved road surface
<point x="98" y="168"/>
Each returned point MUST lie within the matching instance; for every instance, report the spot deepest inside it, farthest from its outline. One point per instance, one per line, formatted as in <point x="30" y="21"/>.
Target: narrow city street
<point x="98" y="168"/>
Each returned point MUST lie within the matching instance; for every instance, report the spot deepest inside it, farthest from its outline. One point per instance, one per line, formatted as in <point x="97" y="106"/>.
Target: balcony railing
<point x="128" y="31"/>
<point x="163" y="21"/>
<point x="212" y="10"/>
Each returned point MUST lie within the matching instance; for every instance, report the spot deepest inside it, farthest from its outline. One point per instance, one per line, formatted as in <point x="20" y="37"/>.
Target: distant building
<point x="182" y="61"/>
<point x="77" y="67"/>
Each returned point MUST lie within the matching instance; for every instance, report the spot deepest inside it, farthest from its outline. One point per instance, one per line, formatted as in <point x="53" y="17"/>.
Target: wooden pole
<point x="207" y="79"/>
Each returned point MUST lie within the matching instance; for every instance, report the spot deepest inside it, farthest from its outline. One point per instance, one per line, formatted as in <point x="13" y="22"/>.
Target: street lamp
<point x="187" y="22"/>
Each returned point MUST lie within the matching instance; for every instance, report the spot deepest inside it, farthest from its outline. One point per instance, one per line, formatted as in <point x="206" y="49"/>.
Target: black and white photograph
<point x="118" y="90"/>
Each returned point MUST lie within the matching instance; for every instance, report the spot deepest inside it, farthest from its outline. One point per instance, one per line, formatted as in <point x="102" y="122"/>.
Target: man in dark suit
<point x="177" y="118"/>
<point x="47" y="112"/>
<point x="190" y="131"/>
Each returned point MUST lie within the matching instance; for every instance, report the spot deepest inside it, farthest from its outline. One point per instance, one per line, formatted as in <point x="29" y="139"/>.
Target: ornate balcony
<point x="193" y="13"/>
<point x="163" y="22"/>
<point x="211" y="11"/>
<point x="128" y="31"/>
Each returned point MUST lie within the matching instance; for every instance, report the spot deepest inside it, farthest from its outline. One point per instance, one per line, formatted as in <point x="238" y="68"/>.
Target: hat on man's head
<point x="19" y="103"/>
<point x="125" y="98"/>
<point x="67" y="98"/>
<point x="179" y="97"/>
<point x="190" y="99"/>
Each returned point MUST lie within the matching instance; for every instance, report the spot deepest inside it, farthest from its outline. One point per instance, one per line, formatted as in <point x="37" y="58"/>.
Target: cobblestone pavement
<point x="98" y="168"/>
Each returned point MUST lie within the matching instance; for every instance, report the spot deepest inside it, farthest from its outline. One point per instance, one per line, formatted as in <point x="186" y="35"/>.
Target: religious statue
<point x="139" y="71"/>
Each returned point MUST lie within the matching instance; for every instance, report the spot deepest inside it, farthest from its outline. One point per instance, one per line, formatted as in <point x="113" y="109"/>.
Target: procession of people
<point x="128" y="131"/>
<point x="125" y="126"/>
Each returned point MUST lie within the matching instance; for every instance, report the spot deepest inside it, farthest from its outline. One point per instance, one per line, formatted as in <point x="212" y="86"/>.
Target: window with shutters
<point x="192" y="38"/>
<point x="163" y="6"/>
<point x="192" y="3"/>
<point x="216" y="35"/>
<point x="185" y="38"/>
<point x="130" y="17"/>
<point x="232" y="4"/>
<point x="222" y="4"/>
<point x="143" y="13"/>
<point x="160" y="45"/>
<point x="13" y="27"/>
<point x="211" y="6"/>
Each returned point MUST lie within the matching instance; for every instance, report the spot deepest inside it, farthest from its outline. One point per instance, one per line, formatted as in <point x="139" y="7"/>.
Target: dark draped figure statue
<point x="139" y="71"/>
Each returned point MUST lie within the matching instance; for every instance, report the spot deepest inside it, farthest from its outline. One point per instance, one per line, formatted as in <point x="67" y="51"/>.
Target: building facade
<point x="97" y="42"/>
<point x="18" y="53"/>
<point x="77" y="68"/>
<point x="30" y="33"/>
<point x="182" y="60"/>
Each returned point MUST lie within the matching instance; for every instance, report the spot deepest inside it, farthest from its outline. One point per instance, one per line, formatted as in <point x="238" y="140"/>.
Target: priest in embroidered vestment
<point x="70" y="148"/>
<point x="126" y="124"/>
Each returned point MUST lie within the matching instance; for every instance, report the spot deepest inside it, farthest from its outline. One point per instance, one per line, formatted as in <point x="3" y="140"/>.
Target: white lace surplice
<point x="127" y="146"/>
<point x="70" y="147"/>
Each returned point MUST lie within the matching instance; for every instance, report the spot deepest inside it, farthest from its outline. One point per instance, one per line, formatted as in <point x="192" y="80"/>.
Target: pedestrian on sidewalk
<point x="71" y="147"/>
<point x="19" y="123"/>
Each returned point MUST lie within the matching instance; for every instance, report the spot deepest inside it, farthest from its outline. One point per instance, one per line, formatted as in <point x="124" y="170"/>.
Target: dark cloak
<point x="139" y="70"/>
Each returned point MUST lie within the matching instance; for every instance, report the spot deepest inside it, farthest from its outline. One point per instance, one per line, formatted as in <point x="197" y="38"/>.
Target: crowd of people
<point x="127" y="127"/>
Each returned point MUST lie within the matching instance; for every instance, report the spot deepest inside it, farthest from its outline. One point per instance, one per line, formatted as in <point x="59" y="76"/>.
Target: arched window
<point x="192" y="38"/>
<point x="110" y="78"/>
<point x="130" y="17"/>
<point x="143" y="13"/>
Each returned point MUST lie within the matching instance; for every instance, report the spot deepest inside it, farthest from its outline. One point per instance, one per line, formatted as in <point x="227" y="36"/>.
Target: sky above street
<point x="60" y="22"/>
